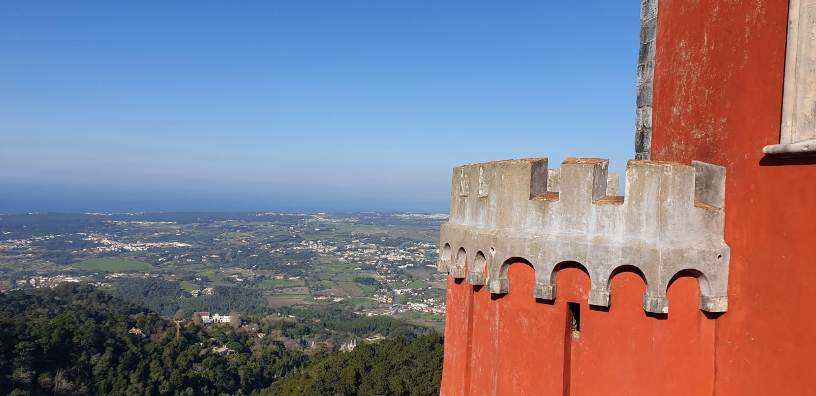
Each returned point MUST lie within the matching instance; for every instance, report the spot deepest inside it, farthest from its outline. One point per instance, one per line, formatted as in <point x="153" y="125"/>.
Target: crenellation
<point x="553" y="181"/>
<point x="657" y="227"/>
<point x="709" y="184"/>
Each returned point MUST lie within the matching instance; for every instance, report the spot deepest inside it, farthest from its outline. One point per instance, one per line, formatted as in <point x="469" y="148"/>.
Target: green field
<point x="282" y="300"/>
<point x="360" y="303"/>
<point x="188" y="286"/>
<point x="417" y="284"/>
<point x="352" y="288"/>
<point x="369" y="289"/>
<point x="426" y="234"/>
<point x="424" y="319"/>
<point x="329" y="268"/>
<point x="281" y="283"/>
<point x="114" y="265"/>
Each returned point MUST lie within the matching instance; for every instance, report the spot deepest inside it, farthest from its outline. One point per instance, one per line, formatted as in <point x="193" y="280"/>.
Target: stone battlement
<point x="670" y="221"/>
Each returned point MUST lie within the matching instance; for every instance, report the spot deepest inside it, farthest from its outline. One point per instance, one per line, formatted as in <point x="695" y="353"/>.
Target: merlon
<point x="669" y="222"/>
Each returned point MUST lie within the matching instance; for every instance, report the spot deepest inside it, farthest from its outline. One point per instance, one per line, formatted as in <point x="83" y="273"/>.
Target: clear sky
<point x="300" y="105"/>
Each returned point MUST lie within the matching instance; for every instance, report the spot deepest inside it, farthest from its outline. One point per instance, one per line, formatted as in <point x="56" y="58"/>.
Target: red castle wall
<point x="717" y="98"/>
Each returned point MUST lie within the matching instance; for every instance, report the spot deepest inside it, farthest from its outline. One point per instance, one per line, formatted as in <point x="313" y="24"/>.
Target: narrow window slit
<point x="575" y="318"/>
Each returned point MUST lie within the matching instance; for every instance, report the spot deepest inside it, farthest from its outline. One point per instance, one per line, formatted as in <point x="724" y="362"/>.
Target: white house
<point x="207" y="319"/>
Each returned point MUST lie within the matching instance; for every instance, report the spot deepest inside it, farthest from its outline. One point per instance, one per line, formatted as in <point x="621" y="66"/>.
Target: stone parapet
<point x="669" y="222"/>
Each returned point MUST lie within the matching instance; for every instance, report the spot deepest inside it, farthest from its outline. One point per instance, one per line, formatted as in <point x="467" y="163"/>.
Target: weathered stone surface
<point x="798" y="130"/>
<point x="670" y="221"/>
<point x="645" y="79"/>
<point x="805" y="148"/>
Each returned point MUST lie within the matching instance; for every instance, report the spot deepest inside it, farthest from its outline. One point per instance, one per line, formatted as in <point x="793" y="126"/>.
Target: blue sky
<point x="300" y="105"/>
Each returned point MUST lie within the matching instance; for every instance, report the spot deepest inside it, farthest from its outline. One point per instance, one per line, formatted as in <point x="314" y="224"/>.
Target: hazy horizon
<point x="63" y="199"/>
<point x="308" y="106"/>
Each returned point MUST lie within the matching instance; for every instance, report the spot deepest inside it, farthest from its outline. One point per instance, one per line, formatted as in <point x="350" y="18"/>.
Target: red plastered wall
<point x="517" y="345"/>
<point x="718" y="98"/>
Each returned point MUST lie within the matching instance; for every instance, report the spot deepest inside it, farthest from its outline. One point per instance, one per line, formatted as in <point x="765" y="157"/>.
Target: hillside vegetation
<point x="393" y="367"/>
<point x="75" y="340"/>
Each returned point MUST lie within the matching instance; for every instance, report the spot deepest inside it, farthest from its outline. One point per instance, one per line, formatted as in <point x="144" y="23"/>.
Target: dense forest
<point x="392" y="367"/>
<point x="165" y="297"/>
<point x="80" y="340"/>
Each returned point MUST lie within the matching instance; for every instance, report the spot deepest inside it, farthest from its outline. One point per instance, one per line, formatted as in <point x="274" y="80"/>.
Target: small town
<point x="372" y="264"/>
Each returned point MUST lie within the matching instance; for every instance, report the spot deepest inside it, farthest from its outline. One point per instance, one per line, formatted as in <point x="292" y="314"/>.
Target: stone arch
<point x="499" y="282"/>
<point x="708" y="301"/>
<point x="459" y="267"/>
<point x="702" y="280"/>
<point x="445" y="256"/>
<point x="601" y="295"/>
<point x="656" y="300"/>
<point x="568" y="264"/>
<point x="628" y="268"/>
<point x="546" y="288"/>
<point x="479" y="273"/>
